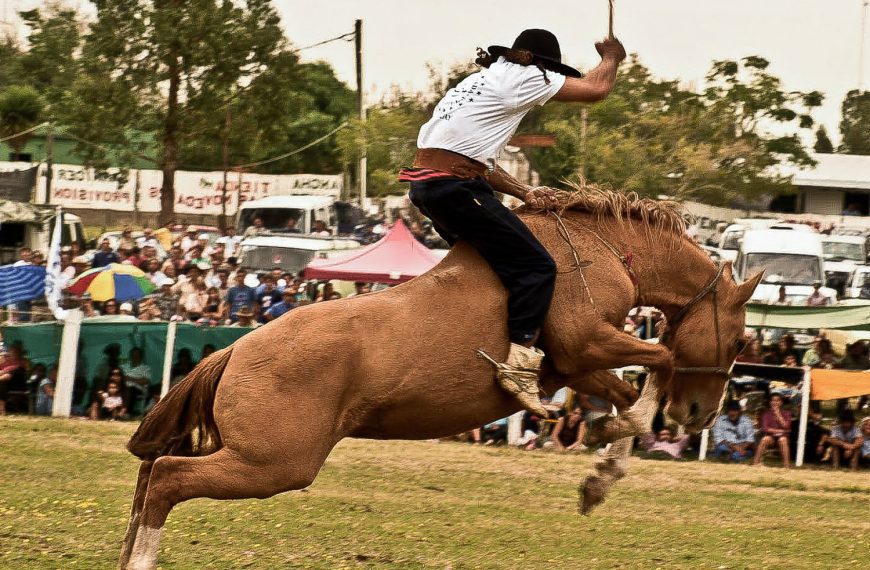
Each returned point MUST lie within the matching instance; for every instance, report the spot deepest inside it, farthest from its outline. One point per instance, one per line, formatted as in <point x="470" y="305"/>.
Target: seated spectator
<point x="865" y="446"/>
<point x="13" y="371"/>
<point x="110" y="403"/>
<point x="531" y="428"/>
<point x="166" y="301"/>
<point x="137" y="378"/>
<point x="238" y="296"/>
<point x="733" y="434"/>
<point x="288" y="302"/>
<point x="780" y="298"/>
<point x="182" y="366"/>
<point x="292" y="226"/>
<point x="813" y="354"/>
<point x="320" y="229"/>
<point x="569" y="431"/>
<point x="772" y="355"/>
<point x="845" y="441"/>
<point x="327" y="293"/>
<point x="110" y="308"/>
<point x="197" y="300"/>
<point x="245" y="318"/>
<point x="752" y="353"/>
<point x="148" y="310"/>
<point x="775" y="424"/>
<point x="207" y="350"/>
<point x="817" y="298"/>
<point x="38" y="373"/>
<point x="86" y="304"/>
<point x="45" y="393"/>
<point x="594" y="408"/>
<point x="127" y="312"/>
<point x="815" y="432"/>
<point x="495" y="432"/>
<point x="211" y="315"/>
<point x="105" y="256"/>
<point x="153" y="397"/>
<point x="664" y="443"/>
<point x="787" y="348"/>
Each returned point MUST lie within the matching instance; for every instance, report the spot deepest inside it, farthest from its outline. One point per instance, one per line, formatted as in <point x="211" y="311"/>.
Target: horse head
<point x="705" y="337"/>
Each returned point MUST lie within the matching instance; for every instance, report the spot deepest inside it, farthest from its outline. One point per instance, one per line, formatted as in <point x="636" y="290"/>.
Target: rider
<point x="455" y="173"/>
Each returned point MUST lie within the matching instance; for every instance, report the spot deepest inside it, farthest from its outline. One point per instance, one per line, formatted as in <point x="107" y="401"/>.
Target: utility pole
<point x="363" y="161"/>
<point x="49" y="160"/>
<point x="861" y="44"/>
<point x="226" y="161"/>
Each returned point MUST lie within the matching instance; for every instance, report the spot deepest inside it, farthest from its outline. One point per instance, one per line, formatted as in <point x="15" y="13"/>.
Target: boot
<point x="519" y="377"/>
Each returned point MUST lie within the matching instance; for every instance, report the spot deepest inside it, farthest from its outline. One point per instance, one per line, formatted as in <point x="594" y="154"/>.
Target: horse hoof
<point x="590" y="497"/>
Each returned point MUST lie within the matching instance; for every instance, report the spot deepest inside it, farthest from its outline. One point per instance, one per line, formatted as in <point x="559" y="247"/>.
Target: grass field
<point x="65" y="488"/>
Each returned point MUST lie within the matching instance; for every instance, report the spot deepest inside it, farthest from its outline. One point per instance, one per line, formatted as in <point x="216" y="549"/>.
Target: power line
<point x="346" y="37"/>
<point x="292" y="152"/>
<point x="22" y="133"/>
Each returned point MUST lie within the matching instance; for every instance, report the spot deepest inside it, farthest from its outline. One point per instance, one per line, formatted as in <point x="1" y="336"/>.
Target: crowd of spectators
<point x="196" y="277"/>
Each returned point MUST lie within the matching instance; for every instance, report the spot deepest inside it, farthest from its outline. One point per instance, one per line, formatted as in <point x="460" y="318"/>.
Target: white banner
<point x="195" y="192"/>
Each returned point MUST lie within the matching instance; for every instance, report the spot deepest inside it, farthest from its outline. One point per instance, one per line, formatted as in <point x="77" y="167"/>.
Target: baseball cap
<point x="126" y="307"/>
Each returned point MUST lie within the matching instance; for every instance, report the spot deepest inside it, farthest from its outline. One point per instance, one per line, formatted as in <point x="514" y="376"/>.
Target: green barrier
<point x="42" y="343"/>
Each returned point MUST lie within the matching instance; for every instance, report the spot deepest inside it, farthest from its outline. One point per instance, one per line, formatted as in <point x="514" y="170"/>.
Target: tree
<point x="172" y="69"/>
<point x="49" y="63"/>
<point x="823" y="143"/>
<point x="855" y="124"/>
<point x="21" y="108"/>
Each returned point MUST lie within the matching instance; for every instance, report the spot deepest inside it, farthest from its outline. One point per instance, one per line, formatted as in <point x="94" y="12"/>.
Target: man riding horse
<point x="455" y="173"/>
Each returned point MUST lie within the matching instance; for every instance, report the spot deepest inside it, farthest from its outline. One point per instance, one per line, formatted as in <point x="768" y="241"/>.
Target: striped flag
<point x="21" y="283"/>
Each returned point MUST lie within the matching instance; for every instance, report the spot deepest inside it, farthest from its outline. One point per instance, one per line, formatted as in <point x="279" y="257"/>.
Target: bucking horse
<point x="261" y="416"/>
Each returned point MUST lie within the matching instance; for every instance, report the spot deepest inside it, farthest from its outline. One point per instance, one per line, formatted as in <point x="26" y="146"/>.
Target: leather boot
<point x="519" y="377"/>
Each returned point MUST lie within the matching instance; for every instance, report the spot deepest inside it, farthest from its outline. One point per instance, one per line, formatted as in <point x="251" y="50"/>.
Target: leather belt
<point x="449" y="161"/>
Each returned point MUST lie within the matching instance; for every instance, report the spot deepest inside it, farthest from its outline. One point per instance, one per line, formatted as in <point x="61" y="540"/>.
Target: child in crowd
<point x="845" y="441"/>
<point x="112" y="403"/>
<point x="45" y="393"/>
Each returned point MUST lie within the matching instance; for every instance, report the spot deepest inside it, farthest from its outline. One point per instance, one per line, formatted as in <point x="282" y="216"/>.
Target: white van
<point x="291" y="254"/>
<point x="31" y="225"/>
<point x="843" y="254"/>
<point x="789" y="258"/>
<point x="276" y="211"/>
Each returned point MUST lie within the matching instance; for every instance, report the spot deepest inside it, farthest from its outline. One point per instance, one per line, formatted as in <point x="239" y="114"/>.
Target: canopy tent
<point x="396" y="258"/>
<point x="842" y="317"/>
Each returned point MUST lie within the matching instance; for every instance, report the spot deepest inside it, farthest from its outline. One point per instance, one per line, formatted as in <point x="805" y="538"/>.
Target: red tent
<point x="396" y="258"/>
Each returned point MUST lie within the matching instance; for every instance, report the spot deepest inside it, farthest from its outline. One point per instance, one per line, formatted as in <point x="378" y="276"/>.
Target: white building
<point x="837" y="182"/>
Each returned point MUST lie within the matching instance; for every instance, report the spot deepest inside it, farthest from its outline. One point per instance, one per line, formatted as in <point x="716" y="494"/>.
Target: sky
<point x="811" y="44"/>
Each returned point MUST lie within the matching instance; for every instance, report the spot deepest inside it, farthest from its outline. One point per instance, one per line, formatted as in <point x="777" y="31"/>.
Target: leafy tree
<point x="823" y="143"/>
<point x="49" y="63"/>
<point x="855" y="124"/>
<point x="174" y="70"/>
<point x="21" y="107"/>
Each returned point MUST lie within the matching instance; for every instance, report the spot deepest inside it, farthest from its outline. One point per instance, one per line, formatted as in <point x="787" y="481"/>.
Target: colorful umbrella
<point x="114" y="281"/>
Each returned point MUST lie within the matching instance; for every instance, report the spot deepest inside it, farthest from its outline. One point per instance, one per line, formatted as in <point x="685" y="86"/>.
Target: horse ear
<point x="747" y="288"/>
<point x="728" y="271"/>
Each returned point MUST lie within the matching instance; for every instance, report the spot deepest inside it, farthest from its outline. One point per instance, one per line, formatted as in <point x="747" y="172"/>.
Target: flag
<point x="21" y="283"/>
<point x="53" y="281"/>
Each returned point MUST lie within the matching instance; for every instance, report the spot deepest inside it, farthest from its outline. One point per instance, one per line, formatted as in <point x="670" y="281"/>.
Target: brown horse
<point x="260" y="417"/>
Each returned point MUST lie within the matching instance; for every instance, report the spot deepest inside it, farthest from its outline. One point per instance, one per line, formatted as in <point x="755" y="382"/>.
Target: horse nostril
<point x="693" y="409"/>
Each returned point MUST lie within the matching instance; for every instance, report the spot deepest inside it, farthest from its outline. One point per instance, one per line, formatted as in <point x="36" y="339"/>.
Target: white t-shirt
<point x="479" y="116"/>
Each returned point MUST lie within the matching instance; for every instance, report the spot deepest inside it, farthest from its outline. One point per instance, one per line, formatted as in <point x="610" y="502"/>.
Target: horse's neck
<point x="670" y="270"/>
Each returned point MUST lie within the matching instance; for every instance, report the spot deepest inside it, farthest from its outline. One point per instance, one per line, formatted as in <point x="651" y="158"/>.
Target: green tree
<point x="172" y="68"/>
<point x="49" y="63"/>
<point x="823" y="143"/>
<point x="855" y="124"/>
<point x="21" y="107"/>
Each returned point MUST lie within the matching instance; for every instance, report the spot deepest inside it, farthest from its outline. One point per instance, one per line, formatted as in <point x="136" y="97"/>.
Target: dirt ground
<point x="66" y="487"/>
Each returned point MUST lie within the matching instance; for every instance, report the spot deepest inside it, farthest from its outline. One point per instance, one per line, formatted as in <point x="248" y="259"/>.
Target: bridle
<point x="710" y="288"/>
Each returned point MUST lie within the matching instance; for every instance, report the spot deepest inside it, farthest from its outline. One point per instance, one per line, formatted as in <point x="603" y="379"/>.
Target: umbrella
<point x="114" y="281"/>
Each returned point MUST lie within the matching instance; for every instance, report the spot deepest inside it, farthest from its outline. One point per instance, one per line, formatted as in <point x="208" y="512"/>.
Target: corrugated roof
<point x="848" y="171"/>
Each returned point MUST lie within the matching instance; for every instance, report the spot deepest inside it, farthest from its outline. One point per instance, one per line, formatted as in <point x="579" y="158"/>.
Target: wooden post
<point x="49" y="161"/>
<point x="66" y="369"/>
<point x="805" y="413"/>
<point x="171" y="331"/>
<point x="705" y="442"/>
<point x="363" y="159"/>
<point x="515" y="428"/>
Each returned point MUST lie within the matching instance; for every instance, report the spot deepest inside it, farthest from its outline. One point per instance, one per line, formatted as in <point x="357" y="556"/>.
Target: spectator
<point x="772" y="355"/>
<point x="813" y="355"/>
<point x="665" y="444"/>
<point x="126" y="310"/>
<point x="327" y="293"/>
<point x="176" y="258"/>
<point x="148" y="311"/>
<point x="105" y="256"/>
<point x="781" y="298"/>
<point x="147" y="239"/>
<point x="845" y="441"/>
<point x="13" y="368"/>
<point x="494" y="433"/>
<point x="530" y="429"/>
<point x="291" y="226"/>
<point x="817" y="298"/>
<point x="110" y="403"/>
<point x="245" y="318"/>
<point x="182" y="367"/>
<point x="787" y="348"/>
<point x="67" y="270"/>
<point x="856" y="357"/>
<point x="255" y="229"/>
<point x="267" y="295"/>
<point x="197" y="299"/>
<point x="569" y="431"/>
<point x="775" y="425"/>
<point x="38" y="373"/>
<point x="865" y="447"/>
<point x="166" y="301"/>
<point x="752" y="353"/>
<point x="137" y="378"/>
<point x="189" y="239"/>
<point x="360" y="288"/>
<point x="320" y="229"/>
<point x="184" y="286"/>
<point x="238" y="296"/>
<point x="211" y="315"/>
<point x="45" y="393"/>
<point x="733" y="434"/>
<point x="207" y="350"/>
<point x="151" y="268"/>
<point x="230" y="241"/>
<point x="126" y="241"/>
<point x="288" y="302"/>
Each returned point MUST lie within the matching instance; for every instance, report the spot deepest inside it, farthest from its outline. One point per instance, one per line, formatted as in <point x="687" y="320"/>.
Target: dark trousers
<point x="466" y="209"/>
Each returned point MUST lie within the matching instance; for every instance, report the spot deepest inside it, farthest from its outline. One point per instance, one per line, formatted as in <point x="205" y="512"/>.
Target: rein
<point x="710" y="288"/>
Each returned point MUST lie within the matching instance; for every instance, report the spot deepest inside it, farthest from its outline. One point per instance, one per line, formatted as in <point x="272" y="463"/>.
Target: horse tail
<point x="182" y="423"/>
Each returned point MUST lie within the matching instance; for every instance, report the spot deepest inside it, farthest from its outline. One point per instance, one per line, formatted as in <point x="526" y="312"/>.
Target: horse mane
<point x="665" y="216"/>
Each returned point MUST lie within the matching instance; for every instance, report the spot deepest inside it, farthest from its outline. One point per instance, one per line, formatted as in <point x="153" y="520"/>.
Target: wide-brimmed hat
<point x="544" y="46"/>
<point x="245" y="311"/>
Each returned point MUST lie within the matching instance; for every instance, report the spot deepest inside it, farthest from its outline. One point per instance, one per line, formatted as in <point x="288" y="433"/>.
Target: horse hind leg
<point x="224" y="474"/>
<point x="605" y="472"/>
<point x="135" y="511"/>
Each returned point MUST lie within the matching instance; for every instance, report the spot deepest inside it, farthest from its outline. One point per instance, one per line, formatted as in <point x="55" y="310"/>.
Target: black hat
<point x="734" y="405"/>
<point x="544" y="46"/>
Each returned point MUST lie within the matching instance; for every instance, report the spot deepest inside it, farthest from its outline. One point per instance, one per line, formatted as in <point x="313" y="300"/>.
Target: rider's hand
<point x="611" y="48"/>
<point x="542" y="198"/>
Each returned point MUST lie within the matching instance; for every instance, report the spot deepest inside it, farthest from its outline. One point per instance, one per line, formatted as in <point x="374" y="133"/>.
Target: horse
<point x="261" y="416"/>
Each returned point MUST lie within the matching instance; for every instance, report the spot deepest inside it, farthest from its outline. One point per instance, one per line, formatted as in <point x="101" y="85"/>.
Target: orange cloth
<point x="833" y="384"/>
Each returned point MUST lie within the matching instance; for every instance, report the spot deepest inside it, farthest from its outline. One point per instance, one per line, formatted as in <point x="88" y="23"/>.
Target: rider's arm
<point x="503" y="182"/>
<point x="599" y="82"/>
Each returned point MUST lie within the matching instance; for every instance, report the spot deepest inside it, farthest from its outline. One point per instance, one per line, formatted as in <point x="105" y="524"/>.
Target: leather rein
<point x="710" y="289"/>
